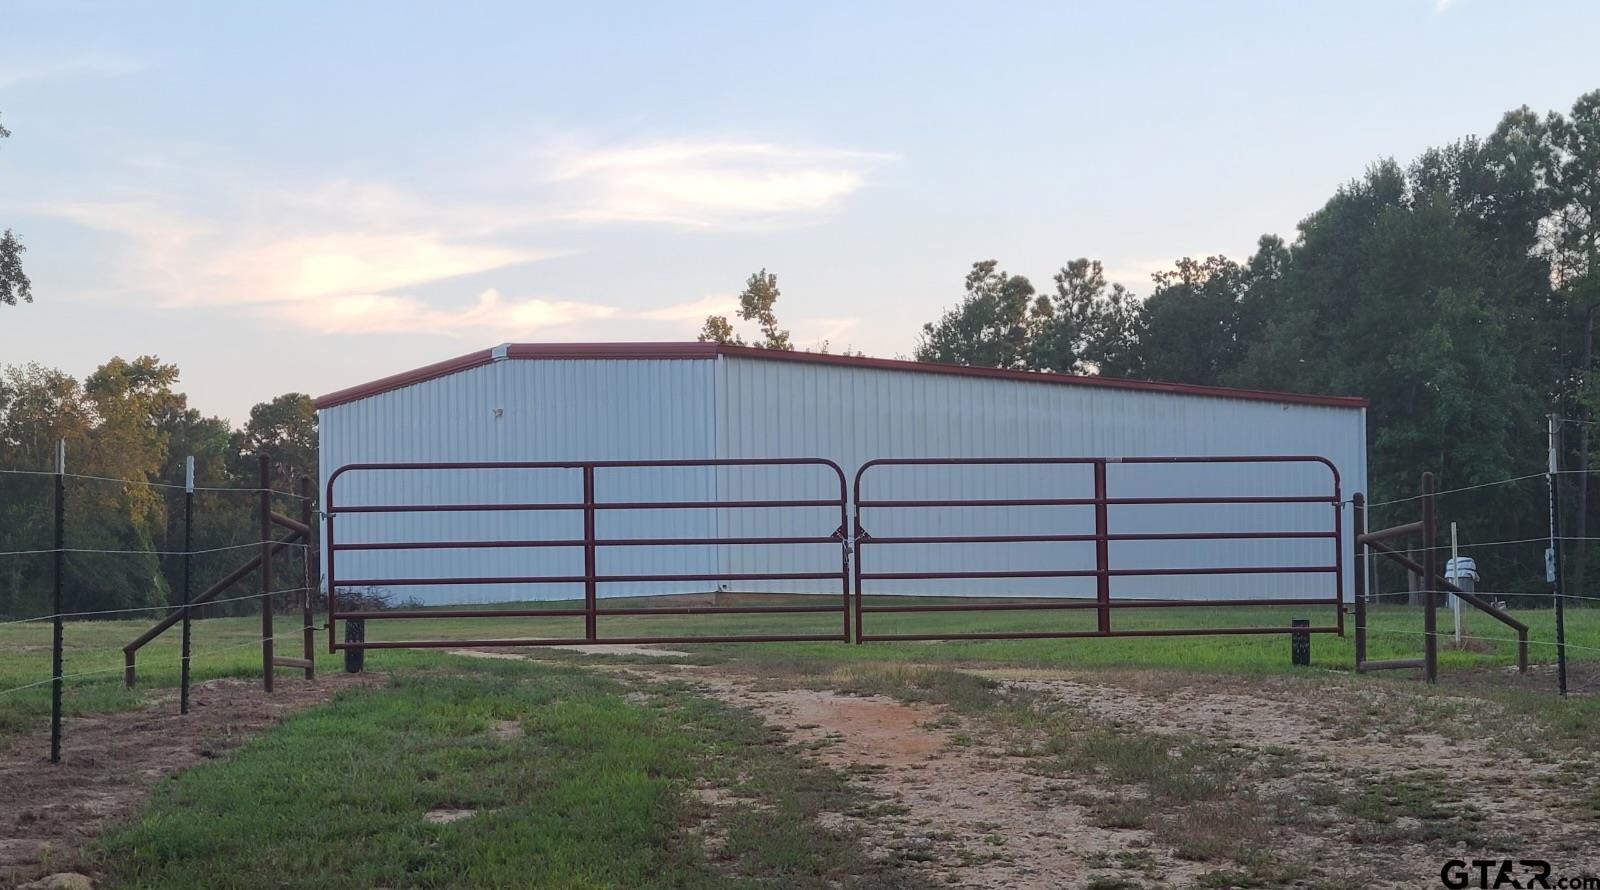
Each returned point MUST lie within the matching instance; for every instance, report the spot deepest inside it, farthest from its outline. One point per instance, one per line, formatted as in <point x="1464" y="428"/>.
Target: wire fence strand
<point x="1451" y="635"/>
<point x="249" y="545"/>
<point x="153" y="484"/>
<point x="192" y="657"/>
<point x="168" y="607"/>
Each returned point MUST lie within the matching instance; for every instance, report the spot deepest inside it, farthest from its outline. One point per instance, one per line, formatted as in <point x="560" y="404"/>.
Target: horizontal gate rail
<point x="1083" y="604"/>
<point x="590" y="544"/>
<point x="1102" y="537"/>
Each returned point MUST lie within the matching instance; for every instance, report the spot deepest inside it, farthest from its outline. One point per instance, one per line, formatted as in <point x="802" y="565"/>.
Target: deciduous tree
<point x="14" y="284"/>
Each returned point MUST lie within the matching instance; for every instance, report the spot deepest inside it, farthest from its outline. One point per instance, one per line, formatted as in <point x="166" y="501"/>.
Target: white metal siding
<point x="649" y="409"/>
<point x="549" y="411"/>
<point x="772" y="408"/>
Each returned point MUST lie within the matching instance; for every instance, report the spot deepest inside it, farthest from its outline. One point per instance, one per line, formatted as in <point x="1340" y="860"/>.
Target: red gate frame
<point x="1103" y="572"/>
<point x="590" y="545"/>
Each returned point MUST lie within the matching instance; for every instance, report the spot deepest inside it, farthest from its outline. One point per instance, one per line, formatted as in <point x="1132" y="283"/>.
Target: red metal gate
<point x="590" y="544"/>
<point x="1103" y="570"/>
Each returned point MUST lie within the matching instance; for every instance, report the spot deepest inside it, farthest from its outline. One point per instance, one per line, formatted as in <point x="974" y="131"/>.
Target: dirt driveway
<point x="1107" y="780"/>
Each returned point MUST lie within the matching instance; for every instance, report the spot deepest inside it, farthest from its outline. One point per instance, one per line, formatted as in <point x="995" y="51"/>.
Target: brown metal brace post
<point x="265" y="480"/>
<point x="1471" y="599"/>
<point x="130" y="651"/>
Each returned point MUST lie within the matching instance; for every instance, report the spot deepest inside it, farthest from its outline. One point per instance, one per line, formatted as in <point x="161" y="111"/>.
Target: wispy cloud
<point x="709" y="183"/>
<point x="694" y="310"/>
<point x="344" y="263"/>
<point x="490" y="316"/>
<point x="356" y="256"/>
<point x="1442" y="6"/>
<point x="179" y="259"/>
<point x="21" y="68"/>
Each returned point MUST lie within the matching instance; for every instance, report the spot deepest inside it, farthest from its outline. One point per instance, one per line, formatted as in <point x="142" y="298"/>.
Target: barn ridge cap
<point x="697" y="350"/>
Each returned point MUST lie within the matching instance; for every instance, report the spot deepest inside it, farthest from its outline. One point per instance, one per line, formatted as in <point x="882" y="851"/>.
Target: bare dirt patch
<point x="506" y="730"/>
<point x="446" y="815"/>
<point x="965" y="815"/>
<point x="111" y="762"/>
<point x="1402" y="777"/>
<point x="1337" y="781"/>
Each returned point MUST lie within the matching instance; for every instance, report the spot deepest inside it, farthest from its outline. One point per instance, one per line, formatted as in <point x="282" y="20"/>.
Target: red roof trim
<point x="549" y="351"/>
<point x="406" y="378"/>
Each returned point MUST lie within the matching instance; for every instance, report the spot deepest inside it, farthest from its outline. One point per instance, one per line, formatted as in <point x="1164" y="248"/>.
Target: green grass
<point x="596" y="791"/>
<point x="593" y="793"/>
<point x="223" y="646"/>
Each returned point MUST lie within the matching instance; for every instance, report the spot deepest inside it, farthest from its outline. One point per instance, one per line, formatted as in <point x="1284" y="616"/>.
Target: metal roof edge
<point x="696" y="350"/>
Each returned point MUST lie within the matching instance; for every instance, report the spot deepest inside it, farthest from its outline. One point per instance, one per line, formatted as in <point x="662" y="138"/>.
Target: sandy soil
<point x="971" y="818"/>
<point x="972" y="815"/>
<point x="111" y="762"/>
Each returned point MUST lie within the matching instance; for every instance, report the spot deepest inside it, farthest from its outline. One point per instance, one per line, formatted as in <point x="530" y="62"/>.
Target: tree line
<point x="127" y="421"/>
<point x="1456" y="292"/>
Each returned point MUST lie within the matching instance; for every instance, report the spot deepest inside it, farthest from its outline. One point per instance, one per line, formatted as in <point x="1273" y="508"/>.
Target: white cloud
<point x="491" y="316"/>
<point x="694" y="310"/>
<point x="343" y="263"/>
<point x="1442" y="6"/>
<point x="21" y="69"/>
<point x="709" y="183"/>
<point x="350" y="255"/>
<point x="179" y="259"/>
<point x="833" y="331"/>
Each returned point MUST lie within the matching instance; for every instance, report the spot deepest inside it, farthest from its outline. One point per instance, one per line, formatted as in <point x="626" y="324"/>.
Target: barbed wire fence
<point x="1527" y="572"/>
<point x="64" y="604"/>
<point x="87" y="662"/>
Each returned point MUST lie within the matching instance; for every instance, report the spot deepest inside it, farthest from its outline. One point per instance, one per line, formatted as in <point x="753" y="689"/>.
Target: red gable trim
<point x="407" y="378"/>
<point x="552" y="351"/>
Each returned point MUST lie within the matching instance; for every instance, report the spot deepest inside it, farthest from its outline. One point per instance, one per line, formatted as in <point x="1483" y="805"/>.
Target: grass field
<point x="228" y="647"/>
<point x="571" y="774"/>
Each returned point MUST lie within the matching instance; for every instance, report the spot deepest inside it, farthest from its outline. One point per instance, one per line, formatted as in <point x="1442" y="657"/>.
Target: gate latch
<point x="839" y="535"/>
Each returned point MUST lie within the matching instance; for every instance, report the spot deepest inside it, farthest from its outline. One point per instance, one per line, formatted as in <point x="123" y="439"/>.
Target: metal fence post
<point x="1102" y="548"/>
<point x="589" y="593"/>
<point x="308" y="631"/>
<point x="1553" y="484"/>
<point x="1358" y="528"/>
<point x="1338" y="555"/>
<point x="1430" y="571"/>
<point x="844" y="555"/>
<point x="58" y="640"/>
<point x="332" y="601"/>
<point x="188" y="560"/>
<point x="265" y="479"/>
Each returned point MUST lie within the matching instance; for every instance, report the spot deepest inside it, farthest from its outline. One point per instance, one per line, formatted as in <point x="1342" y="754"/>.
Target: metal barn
<point x="1188" y="529"/>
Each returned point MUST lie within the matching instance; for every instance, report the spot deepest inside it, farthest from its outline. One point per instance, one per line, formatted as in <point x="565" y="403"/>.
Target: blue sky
<point x="304" y="196"/>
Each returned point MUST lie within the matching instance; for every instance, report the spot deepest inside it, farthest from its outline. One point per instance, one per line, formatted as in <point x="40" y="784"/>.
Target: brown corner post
<point x="308" y="582"/>
<point x="264" y="477"/>
<point x="1102" y="549"/>
<point x="1430" y="596"/>
<point x="1358" y="528"/>
<point x="589" y="594"/>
